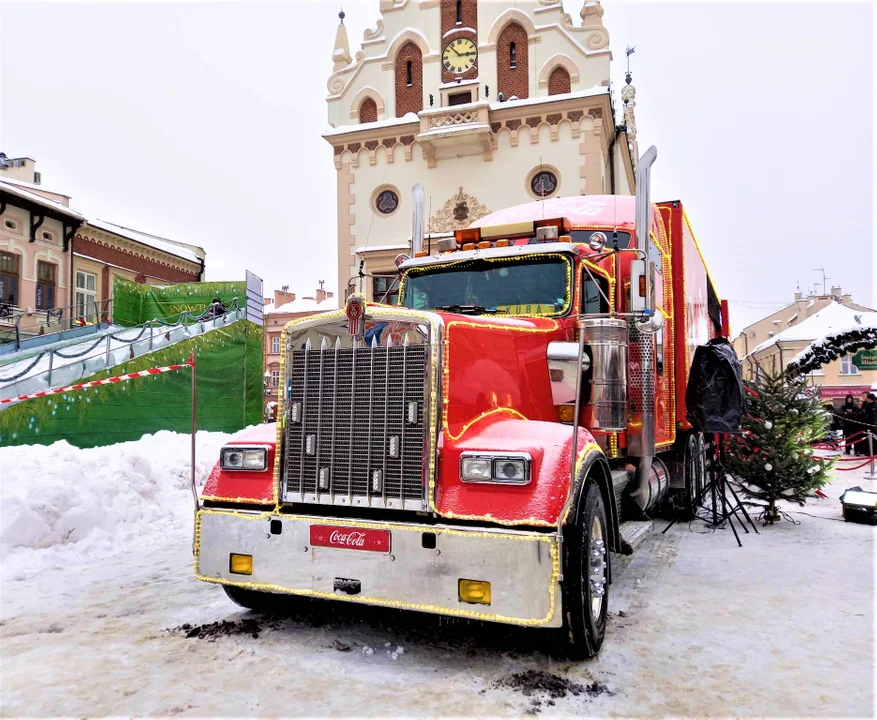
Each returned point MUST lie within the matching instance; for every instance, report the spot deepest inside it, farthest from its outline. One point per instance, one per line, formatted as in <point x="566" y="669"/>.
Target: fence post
<point x="151" y="333"/>
<point x="870" y="474"/>
<point x="109" y="340"/>
<point x="51" y="362"/>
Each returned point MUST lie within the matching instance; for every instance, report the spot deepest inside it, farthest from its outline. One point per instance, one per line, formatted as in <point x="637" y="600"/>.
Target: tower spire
<point x="592" y="14"/>
<point x="341" y="54"/>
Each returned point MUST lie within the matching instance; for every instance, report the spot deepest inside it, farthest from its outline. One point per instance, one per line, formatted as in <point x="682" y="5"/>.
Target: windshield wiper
<point x="468" y="309"/>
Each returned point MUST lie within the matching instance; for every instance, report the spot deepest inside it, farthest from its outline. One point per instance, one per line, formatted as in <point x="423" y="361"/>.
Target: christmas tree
<point x="773" y="457"/>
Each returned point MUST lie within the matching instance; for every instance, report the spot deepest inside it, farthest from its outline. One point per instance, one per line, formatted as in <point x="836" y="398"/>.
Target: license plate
<point x="350" y="538"/>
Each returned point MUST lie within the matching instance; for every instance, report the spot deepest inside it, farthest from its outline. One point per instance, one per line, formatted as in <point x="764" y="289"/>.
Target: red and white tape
<point x="105" y="381"/>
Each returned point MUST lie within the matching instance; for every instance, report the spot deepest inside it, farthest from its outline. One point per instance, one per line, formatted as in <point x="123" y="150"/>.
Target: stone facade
<point x="474" y="157"/>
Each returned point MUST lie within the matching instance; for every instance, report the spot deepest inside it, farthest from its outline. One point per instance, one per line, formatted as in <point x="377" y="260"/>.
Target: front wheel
<point x="261" y="602"/>
<point x="586" y="575"/>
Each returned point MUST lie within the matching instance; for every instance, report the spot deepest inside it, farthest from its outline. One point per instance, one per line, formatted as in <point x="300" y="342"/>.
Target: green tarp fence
<point x="135" y="303"/>
<point x="229" y="395"/>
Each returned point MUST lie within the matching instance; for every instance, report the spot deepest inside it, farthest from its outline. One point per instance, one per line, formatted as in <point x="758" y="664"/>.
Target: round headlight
<point x="597" y="240"/>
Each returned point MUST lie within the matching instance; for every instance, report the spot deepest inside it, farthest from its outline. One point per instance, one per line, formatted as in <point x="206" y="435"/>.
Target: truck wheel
<point x="586" y="574"/>
<point x="695" y="474"/>
<point x="262" y="602"/>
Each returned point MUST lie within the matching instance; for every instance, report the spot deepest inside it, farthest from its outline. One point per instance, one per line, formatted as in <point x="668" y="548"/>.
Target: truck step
<point x="620" y="481"/>
<point x="633" y="532"/>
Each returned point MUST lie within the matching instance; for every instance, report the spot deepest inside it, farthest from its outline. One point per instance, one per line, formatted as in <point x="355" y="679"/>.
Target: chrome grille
<point x="355" y="415"/>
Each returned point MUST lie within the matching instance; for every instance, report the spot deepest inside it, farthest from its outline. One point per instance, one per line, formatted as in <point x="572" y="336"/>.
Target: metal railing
<point x="16" y="323"/>
<point x="43" y="370"/>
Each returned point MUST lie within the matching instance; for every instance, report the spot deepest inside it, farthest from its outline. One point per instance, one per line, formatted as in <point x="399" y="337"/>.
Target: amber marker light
<point x="240" y="564"/>
<point x="566" y="412"/>
<point x="476" y="592"/>
<point x="468" y="246"/>
<point x="503" y="243"/>
<point x="484" y="244"/>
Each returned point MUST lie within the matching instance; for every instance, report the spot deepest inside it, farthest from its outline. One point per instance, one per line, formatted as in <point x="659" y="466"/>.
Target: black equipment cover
<point x="714" y="396"/>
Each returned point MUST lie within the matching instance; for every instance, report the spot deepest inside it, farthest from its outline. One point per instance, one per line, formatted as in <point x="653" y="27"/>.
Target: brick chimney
<point x="322" y="293"/>
<point x="283" y="296"/>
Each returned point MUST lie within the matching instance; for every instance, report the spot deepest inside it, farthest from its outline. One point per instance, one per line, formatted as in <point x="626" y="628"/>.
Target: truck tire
<point x="695" y="473"/>
<point x="262" y="602"/>
<point x="586" y="575"/>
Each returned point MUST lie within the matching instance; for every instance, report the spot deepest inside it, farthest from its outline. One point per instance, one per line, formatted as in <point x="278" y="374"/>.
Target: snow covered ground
<point x="782" y="626"/>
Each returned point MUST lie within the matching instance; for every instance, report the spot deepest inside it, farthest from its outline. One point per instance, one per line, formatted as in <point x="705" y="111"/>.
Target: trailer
<point x="483" y="448"/>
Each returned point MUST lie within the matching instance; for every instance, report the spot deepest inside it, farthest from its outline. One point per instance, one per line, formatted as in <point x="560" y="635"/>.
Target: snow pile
<point x="59" y="500"/>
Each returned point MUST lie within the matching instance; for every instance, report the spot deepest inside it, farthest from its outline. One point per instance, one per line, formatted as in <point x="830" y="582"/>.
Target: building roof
<point x="834" y="318"/>
<point x="303" y="305"/>
<point x="19" y="192"/>
<point x="152" y="241"/>
<point x="32" y="186"/>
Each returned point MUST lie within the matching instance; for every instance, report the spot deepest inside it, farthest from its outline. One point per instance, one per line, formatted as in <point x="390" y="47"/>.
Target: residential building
<point x="279" y="310"/>
<point x="834" y="380"/>
<point x="52" y="258"/>
<point x="484" y="104"/>
<point x="35" y="253"/>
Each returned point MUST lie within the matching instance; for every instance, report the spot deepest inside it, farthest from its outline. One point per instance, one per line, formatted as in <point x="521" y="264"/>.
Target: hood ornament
<point x="355" y="311"/>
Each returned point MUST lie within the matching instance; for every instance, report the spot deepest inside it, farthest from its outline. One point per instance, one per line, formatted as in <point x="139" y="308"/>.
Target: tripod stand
<point x="711" y="502"/>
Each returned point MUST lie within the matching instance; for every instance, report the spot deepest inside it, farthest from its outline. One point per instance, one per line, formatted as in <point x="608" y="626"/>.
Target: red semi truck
<point x="483" y="448"/>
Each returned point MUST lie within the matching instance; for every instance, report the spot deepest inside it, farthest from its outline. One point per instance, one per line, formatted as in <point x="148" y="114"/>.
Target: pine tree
<point x="773" y="457"/>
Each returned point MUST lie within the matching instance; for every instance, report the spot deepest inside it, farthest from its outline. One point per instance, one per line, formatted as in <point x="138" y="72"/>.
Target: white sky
<point x="202" y="122"/>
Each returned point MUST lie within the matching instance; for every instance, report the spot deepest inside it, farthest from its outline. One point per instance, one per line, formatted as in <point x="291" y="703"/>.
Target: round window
<point x="544" y="183"/>
<point x="386" y="202"/>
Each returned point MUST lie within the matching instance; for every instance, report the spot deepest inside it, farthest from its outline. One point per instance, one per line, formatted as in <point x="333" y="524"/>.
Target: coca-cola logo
<point x="347" y="539"/>
<point x="371" y="540"/>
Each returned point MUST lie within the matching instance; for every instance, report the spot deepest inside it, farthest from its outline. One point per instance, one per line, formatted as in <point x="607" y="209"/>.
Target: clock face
<point x="459" y="55"/>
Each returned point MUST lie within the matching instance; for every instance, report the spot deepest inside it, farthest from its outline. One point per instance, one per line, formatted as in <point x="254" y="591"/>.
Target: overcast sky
<point x="202" y="122"/>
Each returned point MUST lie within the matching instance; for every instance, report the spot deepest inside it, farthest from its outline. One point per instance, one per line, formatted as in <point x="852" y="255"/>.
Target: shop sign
<point x="866" y="359"/>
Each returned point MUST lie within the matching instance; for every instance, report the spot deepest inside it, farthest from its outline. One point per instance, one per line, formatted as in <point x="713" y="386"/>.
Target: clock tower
<point x="484" y="105"/>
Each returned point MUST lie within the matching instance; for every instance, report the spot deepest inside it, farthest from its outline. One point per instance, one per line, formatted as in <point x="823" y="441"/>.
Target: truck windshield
<point x="507" y="286"/>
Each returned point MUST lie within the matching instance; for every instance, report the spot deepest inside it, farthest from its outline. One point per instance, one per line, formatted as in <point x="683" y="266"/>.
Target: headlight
<point x="234" y="458"/>
<point x="504" y="469"/>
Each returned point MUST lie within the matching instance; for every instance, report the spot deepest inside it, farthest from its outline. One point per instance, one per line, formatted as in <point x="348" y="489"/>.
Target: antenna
<point x="824" y="278"/>
<point x="429" y="229"/>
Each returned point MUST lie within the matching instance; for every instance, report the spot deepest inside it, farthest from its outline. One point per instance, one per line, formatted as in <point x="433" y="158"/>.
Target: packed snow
<point x="100" y="603"/>
<point x="59" y="503"/>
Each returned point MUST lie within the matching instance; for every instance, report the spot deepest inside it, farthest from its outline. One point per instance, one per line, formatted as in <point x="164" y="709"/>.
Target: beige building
<point x="811" y="319"/>
<point x="485" y="104"/>
<point x="279" y="310"/>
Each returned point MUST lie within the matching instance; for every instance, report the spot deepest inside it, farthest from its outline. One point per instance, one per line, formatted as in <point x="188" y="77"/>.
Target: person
<point x="849" y="415"/>
<point x="868" y="420"/>
<point x="214" y="310"/>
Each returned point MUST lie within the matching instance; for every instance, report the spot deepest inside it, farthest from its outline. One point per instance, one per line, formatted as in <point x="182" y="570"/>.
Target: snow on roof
<point x="12" y="189"/>
<point x="406" y="119"/>
<point x="834" y="318"/>
<point x="596" y="90"/>
<point x="145" y="239"/>
<point x="32" y="186"/>
<point x="378" y="248"/>
<point x="305" y="304"/>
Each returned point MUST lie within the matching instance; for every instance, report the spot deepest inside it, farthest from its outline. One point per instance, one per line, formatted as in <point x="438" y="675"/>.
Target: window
<point x="386" y="202"/>
<point x="275" y="344"/>
<point x="460" y="98"/>
<point x="45" y="285"/>
<point x="10" y="224"/>
<point x="502" y="287"/>
<point x="368" y="111"/>
<point x="459" y="12"/>
<point x="513" y="55"/>
<point x="847" y="367"/>
<point x="385" y="289"/>
<point x="543" y="183"/>
<point x="9" y="274"/>
<point x="559" y="81"/>
<point x="47" y="236"/>
<point x="275" y="378"/>
<point x="36" y="178"/>
<point x="595" y="294"/>
<point x="86" y="294"/>
<point x="409" y="76"/>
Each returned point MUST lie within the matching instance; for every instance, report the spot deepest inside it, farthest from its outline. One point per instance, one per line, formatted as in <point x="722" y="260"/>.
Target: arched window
<point x="459" y="12"/>
<point x="558" y="81"/>
<point x="512" y="69"/>
<point x="409" y="79"/>
<point x="368" y="111"/>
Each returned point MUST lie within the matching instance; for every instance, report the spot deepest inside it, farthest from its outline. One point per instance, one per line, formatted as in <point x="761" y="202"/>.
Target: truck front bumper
<point x="420" y="570"/>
